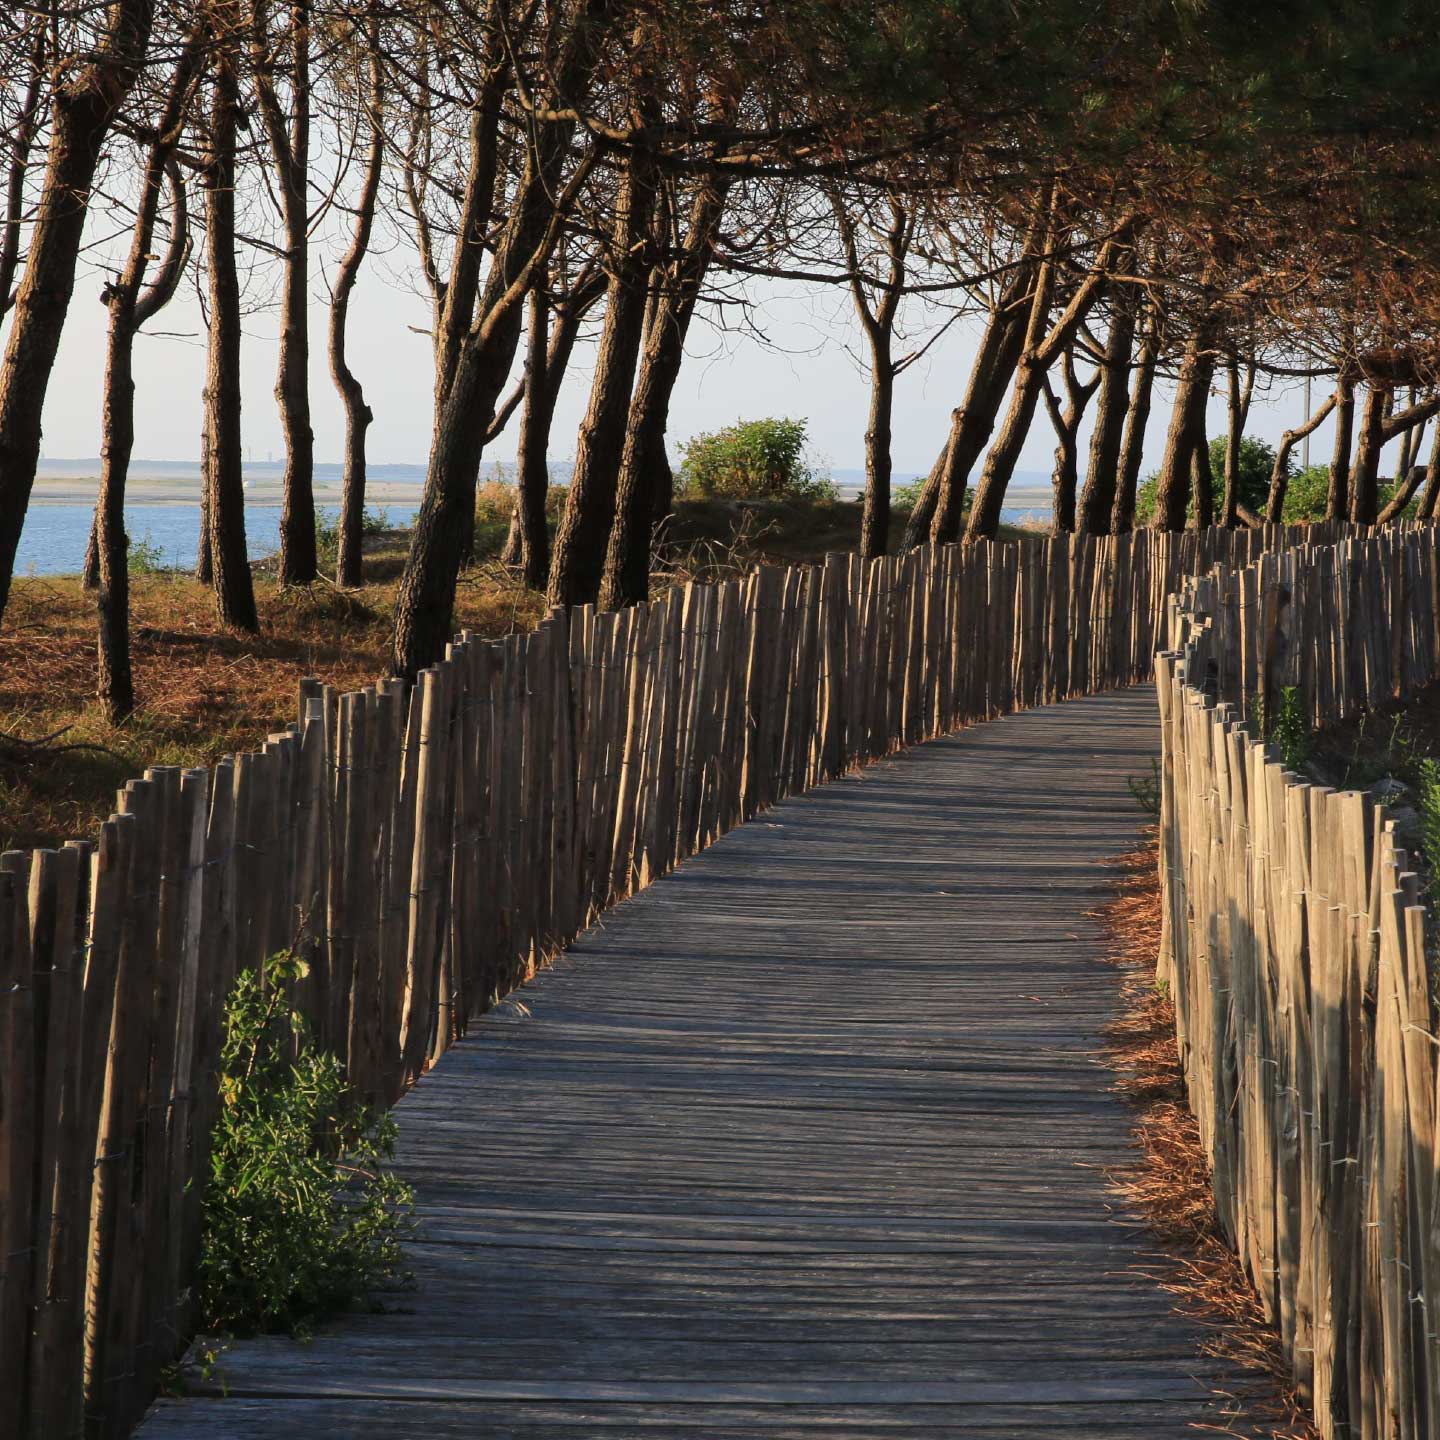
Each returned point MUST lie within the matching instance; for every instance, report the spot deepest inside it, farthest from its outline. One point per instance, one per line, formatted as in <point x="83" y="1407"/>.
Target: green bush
<point x="145" y="557"/>
<point x="1428" y="796"/>
<point x="752" y="460"/>
<point x="327" y="532"/>
<point x="1257" y="462"/>
<point x="1306" y="493"/>
<point x="1289" y="730"/>
<point x="1306" y="490"/>
<point x="300" y="1219"/>
<point x="907" y="496"/>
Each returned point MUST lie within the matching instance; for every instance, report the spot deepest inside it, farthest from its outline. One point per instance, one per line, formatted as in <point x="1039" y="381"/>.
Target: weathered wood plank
<point x="808" y="1138"/>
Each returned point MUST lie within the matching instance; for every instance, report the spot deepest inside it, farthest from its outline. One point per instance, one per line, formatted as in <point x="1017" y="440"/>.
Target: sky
<point x="800" y="356"/>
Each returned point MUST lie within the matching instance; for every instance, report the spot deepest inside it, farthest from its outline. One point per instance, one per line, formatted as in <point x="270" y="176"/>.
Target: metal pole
<point x="1305" y="443"/>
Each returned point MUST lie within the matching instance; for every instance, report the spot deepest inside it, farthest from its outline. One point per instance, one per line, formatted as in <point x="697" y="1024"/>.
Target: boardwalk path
<point x="807" y="1141"/>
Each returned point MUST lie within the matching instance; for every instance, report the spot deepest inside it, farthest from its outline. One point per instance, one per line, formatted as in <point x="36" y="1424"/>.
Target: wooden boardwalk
<point x="807" y="1140"/>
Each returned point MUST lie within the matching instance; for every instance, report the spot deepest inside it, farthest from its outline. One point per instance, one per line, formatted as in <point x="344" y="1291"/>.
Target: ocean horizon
<point x="163" y="504"/>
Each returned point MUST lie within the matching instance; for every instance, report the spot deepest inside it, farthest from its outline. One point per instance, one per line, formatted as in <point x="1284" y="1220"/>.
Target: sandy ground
<point x="59" y="488"/>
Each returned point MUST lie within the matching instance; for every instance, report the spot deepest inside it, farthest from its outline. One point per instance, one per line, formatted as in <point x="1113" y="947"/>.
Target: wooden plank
<point x="723" y="1188"/>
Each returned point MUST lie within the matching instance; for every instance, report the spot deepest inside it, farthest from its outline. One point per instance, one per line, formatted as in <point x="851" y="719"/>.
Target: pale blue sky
<point x="807" y="370"/>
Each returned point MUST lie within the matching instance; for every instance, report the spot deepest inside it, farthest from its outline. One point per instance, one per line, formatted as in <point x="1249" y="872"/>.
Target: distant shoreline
<point x="177" y="482"/>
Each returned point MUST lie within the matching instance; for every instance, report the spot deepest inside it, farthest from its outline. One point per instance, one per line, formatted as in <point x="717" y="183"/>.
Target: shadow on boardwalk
<point x="808" y="1139"/>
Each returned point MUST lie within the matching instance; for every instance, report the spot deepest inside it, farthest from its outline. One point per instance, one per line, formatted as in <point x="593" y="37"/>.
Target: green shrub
<point x="1289" y="730"/>
<point x="1306" y="490"/>
<point x="1306" y="493"/>
<point x="327" y="532"/>
<point x="1428" y="796"/>
<point x="907" y="496"/>
<point x="145" y="557"/>
<point x="495" y="505"/>
<point x="300" y="1220"/>
<point x="752" y="460"/>
<point x="1257" y="463"/>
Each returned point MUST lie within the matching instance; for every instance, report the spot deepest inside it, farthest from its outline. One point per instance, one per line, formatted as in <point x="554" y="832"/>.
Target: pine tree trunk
<point x="1202" y="483"/>
<point x="1000" y="463"/>
<point x="298" y="560"/>
<point x="349" y="558"/>
<point x="1431" y="495"/>
<point x="1103" y="472"/>
<point x="646" y="488"/>
<point x="130" y="308"/>
<point x="82" y="112"/>
<point x="972" y="424"/>
<point x="21" y="142"/>
<point x="1186" y="433"/>
<point x="1365" y="472"/>
<point x="580" y="545"/>
<point x="1040" y="352"/>
<point x="1064" y="481"/>
<point x="875" y="517"/>
<point x="1337" y="497"/>
<point x="425" y="605"/>
<point x="1137" y="417"/>
<point x="116" y="685"/>
<point x="230" y="562"/>
<point x="532" y="482"/>
<point x="645" y="492"/>
<point x="90" y="571"/>
<point x="204" y="566"/>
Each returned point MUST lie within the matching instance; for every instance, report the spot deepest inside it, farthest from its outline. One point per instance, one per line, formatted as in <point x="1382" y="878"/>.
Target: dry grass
<point x="203" y="691"/>
<point x="1170" y="1182"/>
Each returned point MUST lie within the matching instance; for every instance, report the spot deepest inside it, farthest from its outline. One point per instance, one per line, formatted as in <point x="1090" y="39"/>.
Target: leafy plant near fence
<point x="1289" y="731"/>
<point x="1427" y="794"/>
<point x="301" y="1218"/>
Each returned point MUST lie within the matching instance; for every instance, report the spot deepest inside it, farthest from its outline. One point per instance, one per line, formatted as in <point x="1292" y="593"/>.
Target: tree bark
<point x="1405" y="487"/>
<point x="426" y="601"/>
<point x="1365" y="472"/>
<point x="229" y="560"/>
<point x="1040" y="352"/>
<point x="973" y="422"/>
<point x="878" y="322"/>
<point x="349" y="562"/>
<point x="645" y="490"/>
<point x="875" y="516"/>
<point x="1103" y="471"/>
<point x="532" y="479"/>
<point x="578" y="564"/>
<point x="1408" y="439"/>
<point x="204" y="568"/>
<point x="1065" y="477"/>
<point x="1431" y="496"/>
<point x="1137" y="416"/>
<point x="1280" y="473"/>
<point x="1202" y="484"/>
<point x="289" y="138"/>
<point x="1337" y="497"/>
<point x="130" y="310"/>
<point x="1186" y="433"/>
<point x="1238" y="397"/>
<point x="21" y="143"/>
<point x="83" y="109"/>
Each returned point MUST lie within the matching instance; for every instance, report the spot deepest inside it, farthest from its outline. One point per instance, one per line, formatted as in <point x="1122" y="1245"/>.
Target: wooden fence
<point x="1295" y="949"/>
<point x="427" y="848"/>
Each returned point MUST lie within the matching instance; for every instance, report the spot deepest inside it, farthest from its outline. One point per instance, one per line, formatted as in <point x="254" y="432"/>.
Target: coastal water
<point x="55" y="535"/>
<point x="166" y="516"/>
